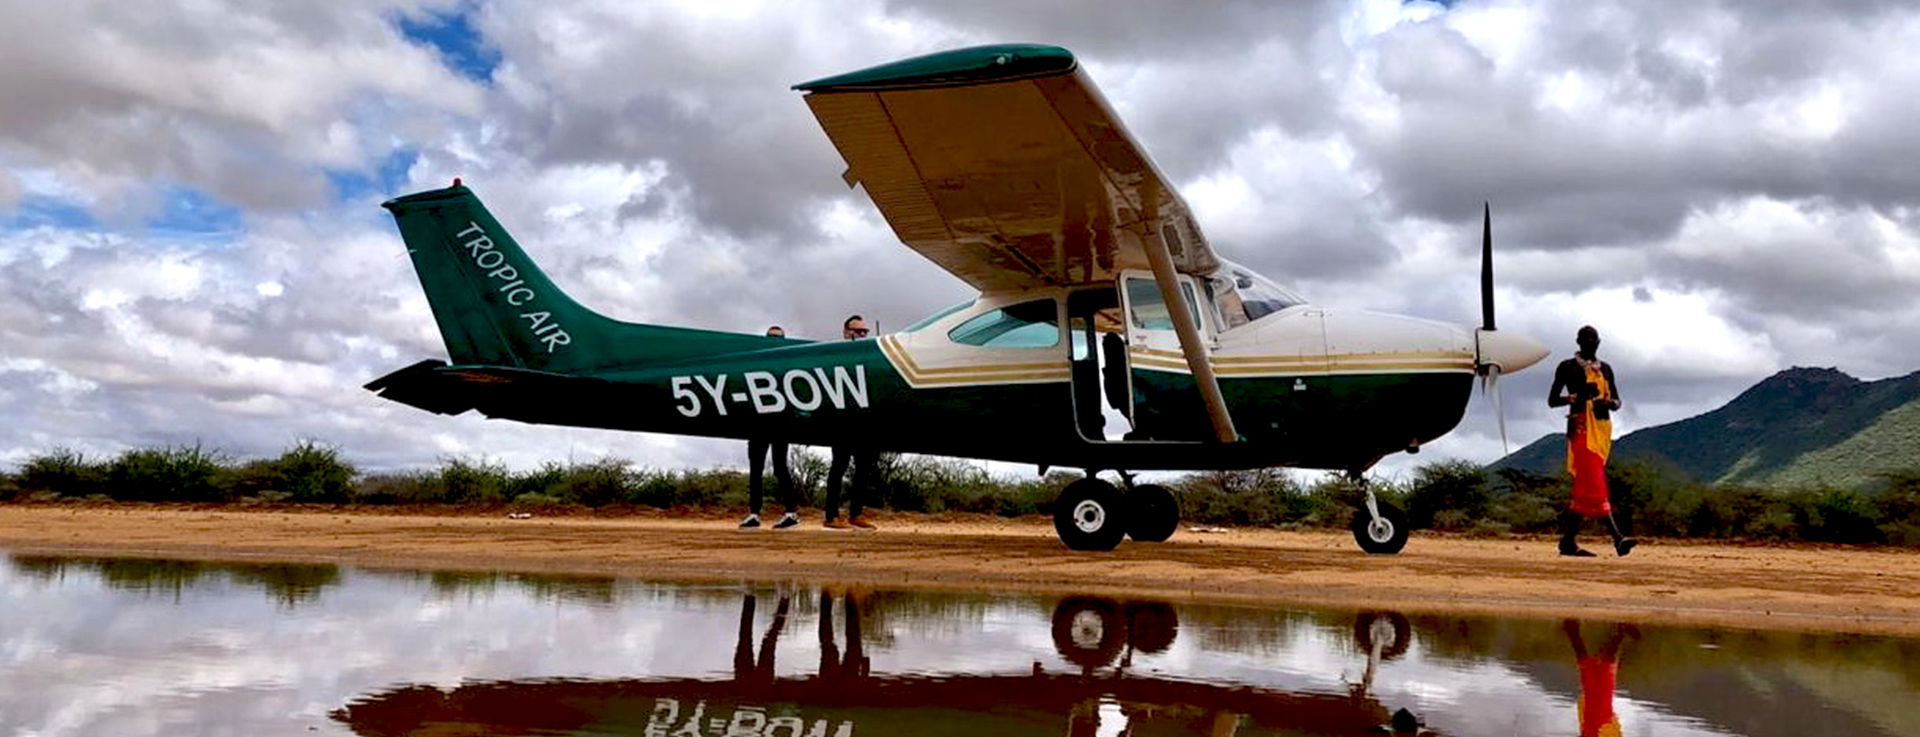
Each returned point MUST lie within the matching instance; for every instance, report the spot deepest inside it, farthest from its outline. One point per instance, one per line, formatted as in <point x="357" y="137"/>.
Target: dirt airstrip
<point x="1799" y="588"/>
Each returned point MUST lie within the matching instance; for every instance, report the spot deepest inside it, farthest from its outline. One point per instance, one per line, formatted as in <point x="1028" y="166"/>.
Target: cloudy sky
<point x="192" y="251"/>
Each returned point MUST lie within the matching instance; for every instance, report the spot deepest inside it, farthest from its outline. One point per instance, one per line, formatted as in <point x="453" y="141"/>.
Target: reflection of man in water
<point x="832" y="665"/>
<point x="1597" y="673"/>
<point x="746" y="667"/>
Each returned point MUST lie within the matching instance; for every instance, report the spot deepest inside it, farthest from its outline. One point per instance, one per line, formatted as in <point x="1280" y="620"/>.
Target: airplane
<point x="1098" y="296"/>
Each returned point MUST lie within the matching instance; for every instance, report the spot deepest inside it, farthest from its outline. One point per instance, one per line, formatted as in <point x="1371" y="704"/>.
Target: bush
<point x="1449" y="495"/>
<point x="469" y="482"/>
<point x="418" y="487"/>
<point x="312" y="472"/>
<point x="178" y="473"/>
<point x="64" y="472"/>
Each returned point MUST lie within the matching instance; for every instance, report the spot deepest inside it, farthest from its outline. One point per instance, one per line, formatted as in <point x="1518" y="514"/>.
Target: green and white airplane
<point x="1099" y="300"/>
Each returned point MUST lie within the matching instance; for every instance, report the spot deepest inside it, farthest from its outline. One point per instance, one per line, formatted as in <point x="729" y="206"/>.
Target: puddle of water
<point x="136" y="647"/>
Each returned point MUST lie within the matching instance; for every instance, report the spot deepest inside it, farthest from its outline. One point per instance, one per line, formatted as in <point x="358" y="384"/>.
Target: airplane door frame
<point x="1083" y="308"/>
<point x="1155" y="334"/>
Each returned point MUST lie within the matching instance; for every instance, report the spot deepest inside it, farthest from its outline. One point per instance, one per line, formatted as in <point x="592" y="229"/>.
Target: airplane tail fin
<point x="496" y="308"/>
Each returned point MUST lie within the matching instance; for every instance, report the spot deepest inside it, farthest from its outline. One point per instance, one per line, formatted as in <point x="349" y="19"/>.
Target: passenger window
<point x="1034" y="324"/>
<point x="1149" y="312"/>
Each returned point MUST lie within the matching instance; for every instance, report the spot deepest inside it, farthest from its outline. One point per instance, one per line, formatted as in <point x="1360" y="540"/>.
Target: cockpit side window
<point x="1243" y="296"/>
<point x="1031" y="324"/>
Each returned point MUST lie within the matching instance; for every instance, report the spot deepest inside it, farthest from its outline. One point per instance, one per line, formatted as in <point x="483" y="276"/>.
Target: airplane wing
<point x="1005" y="166"/>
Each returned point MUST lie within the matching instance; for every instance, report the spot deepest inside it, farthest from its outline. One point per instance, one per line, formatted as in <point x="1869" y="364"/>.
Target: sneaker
<point x="789" y="520"/>
<point x="752" y="521"/>
<point x="862" y="523"/>
<point x="1625" y="546"/>
<point x="1576" y="552"/>
<point x="836" y="524"/>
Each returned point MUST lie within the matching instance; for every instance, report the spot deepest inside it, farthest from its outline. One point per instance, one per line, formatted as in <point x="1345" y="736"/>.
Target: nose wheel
<point x="1380" y="528"/>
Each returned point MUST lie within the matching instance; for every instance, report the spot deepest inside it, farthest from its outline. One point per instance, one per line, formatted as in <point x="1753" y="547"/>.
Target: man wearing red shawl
<point x="1585" y="385"/>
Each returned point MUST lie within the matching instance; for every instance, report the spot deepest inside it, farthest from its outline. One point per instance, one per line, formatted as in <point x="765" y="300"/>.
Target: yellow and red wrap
<point x="1589" y="442"/>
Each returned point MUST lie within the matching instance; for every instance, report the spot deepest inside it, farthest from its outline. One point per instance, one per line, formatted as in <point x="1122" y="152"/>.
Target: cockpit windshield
<point x="1244" y="296"/>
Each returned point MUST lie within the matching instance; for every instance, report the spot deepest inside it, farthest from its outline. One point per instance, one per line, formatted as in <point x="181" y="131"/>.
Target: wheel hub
<point x="1380" y="530"/>
<point x="1087" y="630"/>
<point x="1089" y="516"/>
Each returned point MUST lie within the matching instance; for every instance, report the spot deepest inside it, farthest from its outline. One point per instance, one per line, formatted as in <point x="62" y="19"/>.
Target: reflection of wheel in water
<point x="1384" y="535"/>
<point x="1090" y="515"/>
<point x="1151" y="626"/>
<point x="1391" y="629"/>
<point x="1153" y="515"/>
<point x="1087" y="631"/>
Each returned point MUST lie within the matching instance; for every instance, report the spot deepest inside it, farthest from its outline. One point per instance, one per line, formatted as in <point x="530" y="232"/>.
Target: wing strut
<point x="1176" y="298"/>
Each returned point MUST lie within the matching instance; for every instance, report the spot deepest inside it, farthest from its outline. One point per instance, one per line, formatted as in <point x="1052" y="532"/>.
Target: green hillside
<point x="1800" y="427"/>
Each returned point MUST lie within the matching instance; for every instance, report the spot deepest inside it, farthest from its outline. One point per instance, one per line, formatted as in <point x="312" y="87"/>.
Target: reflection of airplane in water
<point x="844" y="698"/>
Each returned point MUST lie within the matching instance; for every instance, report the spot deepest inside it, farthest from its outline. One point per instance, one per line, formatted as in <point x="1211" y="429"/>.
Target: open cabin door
<point x="1102" y="388"/>
<point x="1167" y="404"/>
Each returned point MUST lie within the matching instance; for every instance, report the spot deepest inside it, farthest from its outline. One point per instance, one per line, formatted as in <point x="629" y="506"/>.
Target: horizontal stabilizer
<point x="436" y="387"/>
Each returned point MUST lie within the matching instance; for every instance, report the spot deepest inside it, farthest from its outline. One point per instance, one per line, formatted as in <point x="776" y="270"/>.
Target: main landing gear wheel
<point x="1153" y="514"/>
<point x="1385" y="534"/>
<point x="1090" y="515"/>
<point x="1088" y="632"/>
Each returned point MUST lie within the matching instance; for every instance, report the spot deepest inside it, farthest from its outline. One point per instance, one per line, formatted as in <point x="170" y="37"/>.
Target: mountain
<point x="1800" y="427"/>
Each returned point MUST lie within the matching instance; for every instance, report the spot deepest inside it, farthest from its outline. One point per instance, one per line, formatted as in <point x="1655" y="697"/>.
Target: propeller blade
<point x="1493" y="387"/>
<point x="1486" y="266"/>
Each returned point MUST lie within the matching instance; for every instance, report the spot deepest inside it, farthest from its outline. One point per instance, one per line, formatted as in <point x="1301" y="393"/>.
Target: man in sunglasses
<point x="853" y="328"/>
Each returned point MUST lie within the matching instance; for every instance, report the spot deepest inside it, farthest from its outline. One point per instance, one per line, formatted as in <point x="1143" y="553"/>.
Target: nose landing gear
<point x="1379" y="527"/>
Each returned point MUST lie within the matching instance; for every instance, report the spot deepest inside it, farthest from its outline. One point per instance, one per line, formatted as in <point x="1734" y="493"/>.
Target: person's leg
<point x="782" y="475"/>
<point x="836" y="472"/>
<point x="756" y="465"/>
<point x="1569" y="529"/>
<point x="1621" y="543"/>
<point x="863" y="473"/>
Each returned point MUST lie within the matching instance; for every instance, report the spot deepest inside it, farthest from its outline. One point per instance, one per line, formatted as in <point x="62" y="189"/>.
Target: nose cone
<point x="1509" y="351"/>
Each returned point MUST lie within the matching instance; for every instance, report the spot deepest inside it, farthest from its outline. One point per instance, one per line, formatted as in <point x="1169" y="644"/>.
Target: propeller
<point x="1497" y="352"/>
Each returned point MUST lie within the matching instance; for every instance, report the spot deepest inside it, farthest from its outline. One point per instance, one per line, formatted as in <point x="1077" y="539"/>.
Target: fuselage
<point x="1019" y="378"/>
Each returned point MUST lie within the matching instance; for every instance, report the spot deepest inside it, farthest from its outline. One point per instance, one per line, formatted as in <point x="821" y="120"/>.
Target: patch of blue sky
<point x="452" y="34"/>
<point x="43" y="211"/>
<point x="190" y="213"/>
<point x="385" y="180"/>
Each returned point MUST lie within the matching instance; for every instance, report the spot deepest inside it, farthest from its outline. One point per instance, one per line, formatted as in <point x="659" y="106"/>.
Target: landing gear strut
<point x="1379" y="527"/>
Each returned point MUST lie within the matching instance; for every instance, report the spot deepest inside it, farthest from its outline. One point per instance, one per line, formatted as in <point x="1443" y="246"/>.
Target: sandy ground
<point x="1796" y="588"/>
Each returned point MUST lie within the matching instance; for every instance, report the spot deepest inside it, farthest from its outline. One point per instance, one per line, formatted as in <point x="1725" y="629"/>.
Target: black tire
<point x="1153" y="513"/>
<point x="1363" y="630"/>
<point x="1387" y="538"/>
<point x="1090" y="515"/>
<point x="1088" y="632"/>
<point x="1151" y="626"/>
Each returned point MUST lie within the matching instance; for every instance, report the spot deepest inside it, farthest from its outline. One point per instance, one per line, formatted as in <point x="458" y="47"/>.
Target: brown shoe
<point x="836" y="524"/>
<point x="862" y="523"/>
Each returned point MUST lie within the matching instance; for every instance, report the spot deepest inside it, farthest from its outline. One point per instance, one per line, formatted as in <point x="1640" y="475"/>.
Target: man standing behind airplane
<point x="1586" y="383"/>
<point x="853" y="328"/>
<point x="757" y="451"/>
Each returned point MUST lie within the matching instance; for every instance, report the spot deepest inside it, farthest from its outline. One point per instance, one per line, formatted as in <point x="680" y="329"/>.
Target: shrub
<point x="418" y="487"/>
<point x="594" y="484"/>
<point x="467" y="482"/>
<point x="1448" y="495"/>
<point x="64" y="472"/>
<point x="312" y="472"/>
<point x="177" y="473"/>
